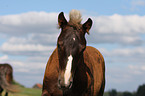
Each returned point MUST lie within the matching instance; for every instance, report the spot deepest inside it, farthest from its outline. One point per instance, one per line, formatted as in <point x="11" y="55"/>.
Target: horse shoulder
<point x="51" y="72"/>
<point x="95" y="61"/>
<point x="52" y="63"/>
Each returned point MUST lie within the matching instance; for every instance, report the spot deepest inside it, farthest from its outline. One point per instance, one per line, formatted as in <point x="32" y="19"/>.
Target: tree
<point x="141" y="90"/>
<point x="113" y="92"/>
<point x="127" y="94"/>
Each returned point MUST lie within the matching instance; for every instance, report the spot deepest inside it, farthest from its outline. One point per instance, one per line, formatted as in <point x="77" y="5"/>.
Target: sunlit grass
<point x="24" y="91"/>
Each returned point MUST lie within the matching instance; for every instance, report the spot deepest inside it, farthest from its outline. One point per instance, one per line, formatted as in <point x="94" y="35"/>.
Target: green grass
<point x="24" y="91"/>
<point x="30" y="91"/>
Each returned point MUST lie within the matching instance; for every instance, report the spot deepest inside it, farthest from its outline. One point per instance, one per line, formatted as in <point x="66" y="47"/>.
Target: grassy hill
<point x="25" y="91"/>
<point x="30" y="91"/>
<point x="33" y="92"/>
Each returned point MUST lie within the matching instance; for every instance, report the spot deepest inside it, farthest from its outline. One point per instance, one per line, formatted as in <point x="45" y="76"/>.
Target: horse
<point x="6" y="78"/>
<point x="74" y="69"/>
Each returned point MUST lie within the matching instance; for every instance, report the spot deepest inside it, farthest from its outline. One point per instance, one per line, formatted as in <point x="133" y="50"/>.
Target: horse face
<point x="71" y="43"/>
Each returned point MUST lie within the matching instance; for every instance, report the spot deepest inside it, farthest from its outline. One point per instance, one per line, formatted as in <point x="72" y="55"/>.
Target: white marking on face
<point x="67" y="73"/>
<point x="74" y="39"/>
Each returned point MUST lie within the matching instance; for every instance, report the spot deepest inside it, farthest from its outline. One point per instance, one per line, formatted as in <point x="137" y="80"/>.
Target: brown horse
<point x="6" y="78"/>
<point x="74" y="69"/>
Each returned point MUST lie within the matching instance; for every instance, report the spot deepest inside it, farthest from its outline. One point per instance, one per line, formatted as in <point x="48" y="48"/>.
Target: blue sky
<point x="28" y="34"/>
<point x="101" y="7"/>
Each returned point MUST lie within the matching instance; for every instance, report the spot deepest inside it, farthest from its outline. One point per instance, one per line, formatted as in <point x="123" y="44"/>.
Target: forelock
<point x="75" y="17"/>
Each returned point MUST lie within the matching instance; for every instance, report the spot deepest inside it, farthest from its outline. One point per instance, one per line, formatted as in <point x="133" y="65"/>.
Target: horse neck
<point x="80" y="60"/>
<point x="85" y="65"/>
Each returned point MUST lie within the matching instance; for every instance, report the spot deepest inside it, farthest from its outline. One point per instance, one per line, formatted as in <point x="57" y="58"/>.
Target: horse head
<point x="70" y="44"/>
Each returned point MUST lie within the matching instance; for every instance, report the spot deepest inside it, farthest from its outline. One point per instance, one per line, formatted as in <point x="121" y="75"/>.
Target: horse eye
<point x="60" y="43"/>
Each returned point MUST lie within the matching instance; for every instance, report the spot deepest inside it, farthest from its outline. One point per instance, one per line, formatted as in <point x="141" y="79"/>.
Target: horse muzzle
<point x="65" y="85"/>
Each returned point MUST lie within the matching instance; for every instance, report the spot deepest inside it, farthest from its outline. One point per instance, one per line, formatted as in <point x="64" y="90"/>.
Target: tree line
<point x="140" y="92"/>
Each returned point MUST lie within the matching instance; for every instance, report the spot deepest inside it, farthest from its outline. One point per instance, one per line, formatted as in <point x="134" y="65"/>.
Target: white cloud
<point x="119" y="24"/>
<point x="26" y="49"/>
<point x="26" y="23"/>
<point x="135" y="67"/>
<point x="26" y="65"/>
<point x="124" y="52"/>
<point x="3" y="58"/>
<point x="122" y="78"/>
<point x="29" y="18"/>
<point x="124" y="30"/>
<point x="42" y="26"/>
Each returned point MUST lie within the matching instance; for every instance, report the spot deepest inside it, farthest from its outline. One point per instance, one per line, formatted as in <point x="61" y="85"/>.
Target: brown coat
<point x="95" y="72"/>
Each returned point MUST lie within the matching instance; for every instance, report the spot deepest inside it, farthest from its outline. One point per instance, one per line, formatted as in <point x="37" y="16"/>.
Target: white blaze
<point x="67" y="73"/>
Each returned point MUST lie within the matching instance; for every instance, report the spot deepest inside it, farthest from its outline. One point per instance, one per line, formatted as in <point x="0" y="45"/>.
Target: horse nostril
<point x="59" y="81"/>
<point x="70" y="85"/>
<point x="61" y="84"/>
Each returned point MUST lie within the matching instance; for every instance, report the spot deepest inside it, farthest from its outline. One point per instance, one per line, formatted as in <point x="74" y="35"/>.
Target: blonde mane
<point x="75" y="17"/>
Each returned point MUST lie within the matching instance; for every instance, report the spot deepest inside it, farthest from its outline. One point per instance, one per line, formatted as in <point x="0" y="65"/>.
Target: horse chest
<point x="82" y="79"/>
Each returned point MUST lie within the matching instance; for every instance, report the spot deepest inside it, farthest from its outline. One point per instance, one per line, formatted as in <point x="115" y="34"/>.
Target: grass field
<point x="31" y="92"/>
<point x="26" y="92"/>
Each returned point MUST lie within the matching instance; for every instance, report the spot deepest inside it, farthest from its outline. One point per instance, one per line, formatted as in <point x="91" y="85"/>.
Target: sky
<point x="29" y="31"/>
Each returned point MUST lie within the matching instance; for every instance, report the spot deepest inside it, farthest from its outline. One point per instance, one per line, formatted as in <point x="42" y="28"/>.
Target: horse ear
<point x="61" y="20"/>
<point x="87" y="25"/>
